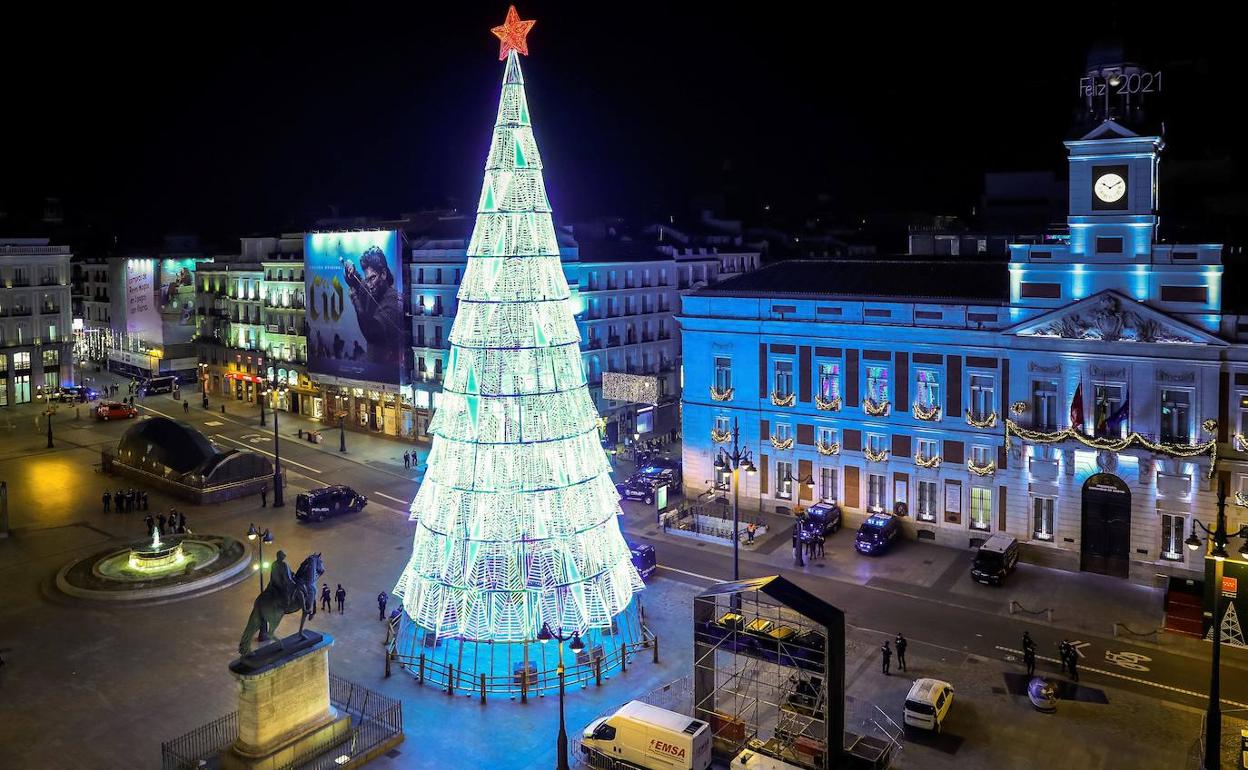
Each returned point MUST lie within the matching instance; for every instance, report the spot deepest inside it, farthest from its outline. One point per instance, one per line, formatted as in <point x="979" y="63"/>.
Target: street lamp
<point x="342" y="431"/>
<point x="576" y="646"/>
<point x="260" y="397"/>
<point x="280" y="389"/>
<point x="50" y="411"/>
<point x="264" y="537"/>
<point x="1218" y="539"/>
<point x="739" y="460"/>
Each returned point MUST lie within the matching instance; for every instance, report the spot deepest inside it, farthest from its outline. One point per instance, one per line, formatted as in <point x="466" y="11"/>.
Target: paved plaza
<point x="86" y="686"/>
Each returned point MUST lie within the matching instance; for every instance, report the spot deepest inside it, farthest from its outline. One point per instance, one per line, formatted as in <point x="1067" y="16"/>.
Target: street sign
<point x="1229" y="585"/>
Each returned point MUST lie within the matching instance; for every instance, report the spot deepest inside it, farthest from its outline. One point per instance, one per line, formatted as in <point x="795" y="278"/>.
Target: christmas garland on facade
<point x="981" y="470"/>
<point x="988" y="422"/>
<point x="721" y="395"/>
<point x="875" y="457"/>
<point x="926" y="462"/>
<point x="828" y="449"/>
<point x="926" y="413"/>
<point x="720" y="436"/>
<point x="827" y="404"/>
<point x="782" y="444"/>
<point x="779" y="400"/>
<point x="1107" y="444"/>
<point x="875" y="408"/>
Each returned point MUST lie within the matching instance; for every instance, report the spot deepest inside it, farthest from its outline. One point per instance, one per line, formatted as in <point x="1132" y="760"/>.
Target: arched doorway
<point x="1106" y="541"/>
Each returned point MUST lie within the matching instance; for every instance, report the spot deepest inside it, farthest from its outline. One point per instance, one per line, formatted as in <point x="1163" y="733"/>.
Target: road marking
<point x="1079" y="645"/>
<point x="1136" y="679"/>
<point x="214" y="423"/>
<point x="397" y="500"/>
<point x="270" y="454"/>
<point x="690" y="574"/>
<point x="391" y="510"/>
<point x="1128" y="660"/>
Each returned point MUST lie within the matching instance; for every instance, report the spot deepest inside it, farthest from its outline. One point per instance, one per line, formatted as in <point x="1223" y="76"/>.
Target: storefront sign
<point x="1229" y="586"/>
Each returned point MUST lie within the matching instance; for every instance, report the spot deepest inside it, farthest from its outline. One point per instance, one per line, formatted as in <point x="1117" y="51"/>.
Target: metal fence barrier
<point x="375" y="720"/>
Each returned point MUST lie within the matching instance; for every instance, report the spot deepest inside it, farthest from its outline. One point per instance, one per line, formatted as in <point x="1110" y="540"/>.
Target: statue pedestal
<point x="283" y="704"/>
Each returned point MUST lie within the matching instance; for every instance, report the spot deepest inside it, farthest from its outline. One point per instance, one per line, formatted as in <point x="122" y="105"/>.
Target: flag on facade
<point x="1121" y="414"/>
<point x="1076" y="409"/>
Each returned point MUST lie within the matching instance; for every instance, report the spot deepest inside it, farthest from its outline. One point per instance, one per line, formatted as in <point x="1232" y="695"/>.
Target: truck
<point x="649" y="737"/>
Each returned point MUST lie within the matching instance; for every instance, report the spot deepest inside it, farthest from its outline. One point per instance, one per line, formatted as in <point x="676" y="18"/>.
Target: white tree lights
<point x="517" y="512"/>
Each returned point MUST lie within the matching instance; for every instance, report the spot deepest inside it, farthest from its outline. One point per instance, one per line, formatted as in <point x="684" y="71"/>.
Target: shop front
<point x="385" y="411"/>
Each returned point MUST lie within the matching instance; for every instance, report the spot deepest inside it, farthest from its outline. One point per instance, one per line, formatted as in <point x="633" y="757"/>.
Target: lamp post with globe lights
<point x="280" y="389"/>
<point x="576" y="646"/>
<point x="736" y="461"/>
<point x="1218" y="538"/>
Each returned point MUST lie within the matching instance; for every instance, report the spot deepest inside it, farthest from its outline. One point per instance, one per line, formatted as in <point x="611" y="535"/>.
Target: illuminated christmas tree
<point x="517" y="514"/>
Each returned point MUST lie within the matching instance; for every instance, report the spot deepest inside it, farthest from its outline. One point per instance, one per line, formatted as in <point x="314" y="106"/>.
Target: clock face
<point x="1110" y="187"/>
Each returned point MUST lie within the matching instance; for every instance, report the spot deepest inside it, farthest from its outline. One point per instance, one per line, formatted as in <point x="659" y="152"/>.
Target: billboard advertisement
<point x="176" y="298"/>
<point x="354" y="283"/>
<point x="142" y="318"/>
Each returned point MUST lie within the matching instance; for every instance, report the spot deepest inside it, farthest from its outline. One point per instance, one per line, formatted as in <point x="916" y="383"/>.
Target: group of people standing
<point x="886" y="654"/>
<point x="409" y="460"/>
<point x="1067" y="653"/>
<point x="340" y="595"/>
<point x="173" y="524"/>
<point x="125" y="500"/>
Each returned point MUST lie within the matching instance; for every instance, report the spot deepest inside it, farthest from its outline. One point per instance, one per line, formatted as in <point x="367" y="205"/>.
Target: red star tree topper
<point x="511" y="34"/>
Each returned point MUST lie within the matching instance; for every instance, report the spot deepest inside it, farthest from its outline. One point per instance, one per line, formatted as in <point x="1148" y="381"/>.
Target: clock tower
<point x="1113" y="194"/>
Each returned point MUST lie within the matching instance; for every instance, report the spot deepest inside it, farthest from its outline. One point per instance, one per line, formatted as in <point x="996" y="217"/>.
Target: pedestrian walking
<point x="325" y="597"/>
<point x="1063" y="654"/>
<point x="1028" y="642"/>
<point x="186" y="407"/>
<point x="749" y="531"/>
<point x="161" y="521"/>
<point x="341" y="596"/>
<point x="382" y="598"/>
<point x="1029" y="658"/>
<point x="819" y="548"/>
<point x="901" y="651"/>
<point x="149" y="523"/>
<point x="182" y="523"/>
<point x="886" y="657"/>
<point x="143" y="494"/>
<point x="107" y="497"/>
<point x="264" y="496"/>
<point x="1074" y="661"/>
<point x="407" y="461"/>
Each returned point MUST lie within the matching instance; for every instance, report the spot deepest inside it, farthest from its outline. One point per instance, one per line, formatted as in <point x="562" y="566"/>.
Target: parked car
<point x="822" y="519"/>
<point x="996" y="558"/>
<point x="320" y="504"/>
<point x="928" y="703"/>
<point x="644" y="559"/>
<point x="877" y="533"/>
<point x="115" y="410"/>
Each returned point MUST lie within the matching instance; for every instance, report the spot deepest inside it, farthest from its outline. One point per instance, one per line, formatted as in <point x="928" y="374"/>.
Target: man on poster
<point x="377" y="307"/>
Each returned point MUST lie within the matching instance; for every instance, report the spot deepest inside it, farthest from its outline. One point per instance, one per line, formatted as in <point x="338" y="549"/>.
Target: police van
<point x="320" y="504"/>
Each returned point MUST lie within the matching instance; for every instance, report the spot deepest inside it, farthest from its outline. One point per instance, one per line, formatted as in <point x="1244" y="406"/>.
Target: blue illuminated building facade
<point x="947" y="390"/>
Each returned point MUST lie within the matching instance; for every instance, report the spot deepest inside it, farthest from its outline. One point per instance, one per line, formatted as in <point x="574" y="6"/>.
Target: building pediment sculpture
<point x="1111" y="317"/>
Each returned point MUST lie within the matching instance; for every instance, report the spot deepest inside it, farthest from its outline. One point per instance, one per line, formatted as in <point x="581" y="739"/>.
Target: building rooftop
<point x="980" y="281"/>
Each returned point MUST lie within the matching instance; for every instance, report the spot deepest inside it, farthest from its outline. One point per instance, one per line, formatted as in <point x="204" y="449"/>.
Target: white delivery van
<point x="650" y="737"/>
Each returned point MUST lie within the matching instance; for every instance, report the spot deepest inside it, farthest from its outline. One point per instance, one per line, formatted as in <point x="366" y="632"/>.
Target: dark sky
<point x="228" y="120"/>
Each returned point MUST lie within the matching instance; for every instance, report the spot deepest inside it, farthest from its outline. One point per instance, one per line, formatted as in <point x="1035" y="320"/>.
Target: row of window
<point x="49" y="275"/>
<point x="929" y="506"/>
<point x="21" y="361"/>
<point x="19" y="335"/>
<point x="1109" y="407"/>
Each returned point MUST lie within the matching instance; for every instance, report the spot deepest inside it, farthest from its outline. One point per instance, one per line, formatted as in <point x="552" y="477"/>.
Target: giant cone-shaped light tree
<point x="517" y="515"/>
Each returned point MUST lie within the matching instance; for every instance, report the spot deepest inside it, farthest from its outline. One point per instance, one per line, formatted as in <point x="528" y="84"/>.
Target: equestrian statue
<point x="285" y="593"/>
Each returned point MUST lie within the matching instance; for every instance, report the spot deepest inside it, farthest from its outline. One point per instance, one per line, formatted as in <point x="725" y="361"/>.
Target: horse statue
<point x="283" y="595"/>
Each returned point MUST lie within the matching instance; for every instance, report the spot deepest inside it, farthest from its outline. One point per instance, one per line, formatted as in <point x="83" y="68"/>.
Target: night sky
<point x="229" y="121"/>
